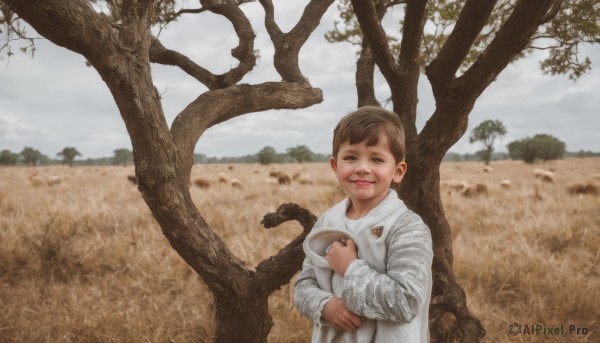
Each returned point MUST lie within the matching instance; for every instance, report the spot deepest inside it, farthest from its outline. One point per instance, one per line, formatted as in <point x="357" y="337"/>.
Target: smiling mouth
<point x="362" y="182"/>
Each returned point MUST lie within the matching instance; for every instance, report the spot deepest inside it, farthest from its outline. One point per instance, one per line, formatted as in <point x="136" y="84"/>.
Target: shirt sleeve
<point x="309" y="298"/>
<point x="399" y="294"/>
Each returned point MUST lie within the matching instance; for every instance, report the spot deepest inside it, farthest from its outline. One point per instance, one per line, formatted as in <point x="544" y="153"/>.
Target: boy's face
<point x="366" y="172"/>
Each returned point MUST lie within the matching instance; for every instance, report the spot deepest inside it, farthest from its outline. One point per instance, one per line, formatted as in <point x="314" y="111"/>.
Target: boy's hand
<point x="340" y="254"/>
<point x="339" y="317"/>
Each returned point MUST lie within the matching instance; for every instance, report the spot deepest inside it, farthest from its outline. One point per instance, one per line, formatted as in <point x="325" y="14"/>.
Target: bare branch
<point x="219" y="105"/>
<point x="375" y="35"/>
<point x="162" y="55"/>
<point x="287" y="46"/>
<point x="287" y="212"/>
<point x="277" y="271"/>
<point x="551" y="12"/>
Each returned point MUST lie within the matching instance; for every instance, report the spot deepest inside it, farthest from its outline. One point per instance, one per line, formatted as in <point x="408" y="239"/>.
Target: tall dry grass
<point x="84" y="261"/>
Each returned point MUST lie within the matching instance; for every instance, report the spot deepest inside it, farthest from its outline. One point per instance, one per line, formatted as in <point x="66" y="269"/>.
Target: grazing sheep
<point x="236" y="183"/>
<point x="588" y="187"/>
<point x="53" y="180"/>
<point x="223" y="178"/>
<point x="36" y="181"/>
<point x="202" y="183"/>
<point x="475" y="190"/>
<point x="133" y="179"/>
<point x="230" y="167"/>
<point x="456" y="185"/>
<point x="487" y="169"/>
<point x="284" y="179"/>
<point x="544" y="175"/>
<point x="296" y="176"/>
<point x="506" y="184"/>
<point x="304" y="181"/>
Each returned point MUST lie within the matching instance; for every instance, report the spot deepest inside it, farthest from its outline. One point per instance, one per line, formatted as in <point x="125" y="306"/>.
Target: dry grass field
<point x="82" y="259"/>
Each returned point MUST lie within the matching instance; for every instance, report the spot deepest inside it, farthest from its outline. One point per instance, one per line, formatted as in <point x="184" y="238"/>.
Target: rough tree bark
<point x="450" y="319"/>
<point x="122" y="53"/>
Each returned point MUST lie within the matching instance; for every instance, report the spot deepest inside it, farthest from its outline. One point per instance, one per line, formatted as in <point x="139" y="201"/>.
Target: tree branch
<point x="219" y="105"/>
<point x="160" y="54"/>
<point x="375" y="35"/>
<point x="455" y="100"/>
<point x="277" y="270"/>
<point x="365" y="69"/>
<point x="287" y="45"/>
<point x="471" y="21"/>
<point x="512" y="38"/>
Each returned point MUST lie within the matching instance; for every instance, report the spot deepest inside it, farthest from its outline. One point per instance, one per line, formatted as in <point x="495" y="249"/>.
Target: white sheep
<point x="454" y="184"/>
<point x="53" y="180"/>
<point x="544" y="175"/>
<point x="236" y="183"/>
<point x="506" y="184"/>
<point x="223" y="178"/>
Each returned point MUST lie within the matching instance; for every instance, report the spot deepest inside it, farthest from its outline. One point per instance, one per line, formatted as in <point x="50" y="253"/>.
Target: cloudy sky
<point x="53" y="100"/>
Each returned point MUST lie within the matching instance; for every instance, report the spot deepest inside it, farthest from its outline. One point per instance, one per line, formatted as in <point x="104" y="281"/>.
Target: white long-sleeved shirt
<point x="389" y="285"/>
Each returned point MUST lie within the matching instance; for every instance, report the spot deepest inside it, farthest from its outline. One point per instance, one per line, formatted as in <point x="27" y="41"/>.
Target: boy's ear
<point x="399" y="172"/>
<point x="333" y="163"/>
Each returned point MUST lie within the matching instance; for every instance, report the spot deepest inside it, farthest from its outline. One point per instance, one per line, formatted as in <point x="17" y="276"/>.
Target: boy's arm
<point x="400" y="294"/>
<point x="309" y="298"/>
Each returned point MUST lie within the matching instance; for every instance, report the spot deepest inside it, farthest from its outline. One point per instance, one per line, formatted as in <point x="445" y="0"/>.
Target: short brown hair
<point x="367" y="124"/>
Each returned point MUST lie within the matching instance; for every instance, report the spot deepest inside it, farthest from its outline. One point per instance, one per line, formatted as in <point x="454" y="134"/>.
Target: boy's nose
<point x="362" y="168"/>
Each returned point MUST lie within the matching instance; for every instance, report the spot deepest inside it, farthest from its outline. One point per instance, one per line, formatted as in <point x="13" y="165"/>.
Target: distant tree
<point x="486" y="133"/>
<point x="539" y="147"/>
<point x="8" y="158"/>
<point x="300" y="153"/>
<point x="267" y="155"/>
<point x="31" y="156"/>
<point x="123" y="156"/>
<point x="68" y="155"/>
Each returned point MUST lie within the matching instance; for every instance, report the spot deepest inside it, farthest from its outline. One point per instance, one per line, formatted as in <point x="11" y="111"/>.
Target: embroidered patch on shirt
<point x="377" y="231"/>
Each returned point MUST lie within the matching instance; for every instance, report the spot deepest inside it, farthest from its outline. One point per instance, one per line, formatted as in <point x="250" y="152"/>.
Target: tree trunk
<point x="245" y="318"/>
<point x="449" y="317"/>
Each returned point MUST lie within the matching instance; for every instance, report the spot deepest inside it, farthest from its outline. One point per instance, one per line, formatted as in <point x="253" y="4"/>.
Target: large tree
<point x="120" y="46"/>
<point x="461" y="46"/>
<point x="471" y="43"/>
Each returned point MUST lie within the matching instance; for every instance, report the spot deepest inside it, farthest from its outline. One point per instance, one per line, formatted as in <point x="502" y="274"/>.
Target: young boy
<point x="367" y="274"/>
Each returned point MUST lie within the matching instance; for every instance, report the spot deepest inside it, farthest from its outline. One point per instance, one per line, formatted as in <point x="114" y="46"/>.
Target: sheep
<point x="133" y="179"/>
<point x="304" y="181"/>
<point x="53" y="180"/>
<point x="475" y="190"/>
<point x="544" y="175"/>
<point x="296" y="176"/>
<point x="36" y="181"/>
<point x="282" y="178"/>
<point x="236" y="183"/>
<point x="202" y="183"/>
<point x="589" y="187"/>
<point x="506" y="184"/>
<point x="487" y="169"/>
<point x="223" y="178"/>
<point x="456" y="185"/>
